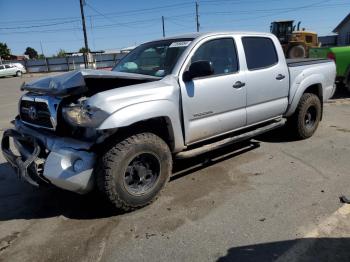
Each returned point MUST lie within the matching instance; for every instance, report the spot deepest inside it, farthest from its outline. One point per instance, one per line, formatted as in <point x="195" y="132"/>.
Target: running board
<point x="230" y="140"/>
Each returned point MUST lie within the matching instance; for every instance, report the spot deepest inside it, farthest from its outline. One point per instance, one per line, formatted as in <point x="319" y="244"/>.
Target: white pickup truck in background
<point x="170" y="98"/>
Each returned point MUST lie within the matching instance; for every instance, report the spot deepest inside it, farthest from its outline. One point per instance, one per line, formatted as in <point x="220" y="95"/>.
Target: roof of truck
<point x="205" y="34"/>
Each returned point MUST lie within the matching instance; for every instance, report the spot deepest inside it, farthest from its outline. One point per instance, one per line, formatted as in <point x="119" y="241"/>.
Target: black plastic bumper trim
<point x="16" y="161"/>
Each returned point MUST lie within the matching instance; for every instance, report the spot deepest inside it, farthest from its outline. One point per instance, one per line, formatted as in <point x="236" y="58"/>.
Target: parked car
<point x="20" y="67"/>
<point x="341" y="56"/>
<point x="9" y="70"/>
<point x="172" y="98"/>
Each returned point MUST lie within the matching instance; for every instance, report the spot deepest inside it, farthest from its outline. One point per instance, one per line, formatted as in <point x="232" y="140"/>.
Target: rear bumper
<point x="44" y="158"/>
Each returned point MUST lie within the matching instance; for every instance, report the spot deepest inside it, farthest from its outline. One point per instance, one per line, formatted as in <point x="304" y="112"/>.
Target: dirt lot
<point x="268" y="199"/>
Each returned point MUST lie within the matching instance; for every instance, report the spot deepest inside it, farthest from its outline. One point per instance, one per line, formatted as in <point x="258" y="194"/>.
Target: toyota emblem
<point x="32" y="113"/>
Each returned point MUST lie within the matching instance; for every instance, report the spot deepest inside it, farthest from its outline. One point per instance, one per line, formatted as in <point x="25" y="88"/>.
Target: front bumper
<point x="43" y="158"/>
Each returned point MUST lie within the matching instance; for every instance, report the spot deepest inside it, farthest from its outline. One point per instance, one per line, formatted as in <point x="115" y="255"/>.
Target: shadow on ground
<point x="280" y="135"/>
<point x="19" y="200"/>
<point x="306" y="250"/>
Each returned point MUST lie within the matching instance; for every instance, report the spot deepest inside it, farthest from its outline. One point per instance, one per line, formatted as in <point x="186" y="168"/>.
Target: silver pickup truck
<point x="176" y="97"/>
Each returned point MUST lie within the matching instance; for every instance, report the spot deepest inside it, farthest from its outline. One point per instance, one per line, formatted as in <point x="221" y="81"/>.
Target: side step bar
<point x="230" y="140"/>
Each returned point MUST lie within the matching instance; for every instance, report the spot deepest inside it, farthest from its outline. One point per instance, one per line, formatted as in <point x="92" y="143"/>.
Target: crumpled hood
<point x="72" y="83"/>
<point x="115" y="99"/>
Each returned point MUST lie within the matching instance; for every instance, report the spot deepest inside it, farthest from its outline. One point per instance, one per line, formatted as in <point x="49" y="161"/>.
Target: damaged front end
<point x="44" y="158"/>
<point x="55" y="136"/>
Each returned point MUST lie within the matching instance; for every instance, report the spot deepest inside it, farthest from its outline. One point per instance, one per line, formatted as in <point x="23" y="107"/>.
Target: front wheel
<point x="133" y="172"/>
<point x="307" y="116"/>
<point x="18" y="73"/>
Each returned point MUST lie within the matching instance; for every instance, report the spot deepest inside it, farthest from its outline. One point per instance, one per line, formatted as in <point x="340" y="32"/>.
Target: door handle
<point x="280" y="77"/>
<point x="238" y="84"/>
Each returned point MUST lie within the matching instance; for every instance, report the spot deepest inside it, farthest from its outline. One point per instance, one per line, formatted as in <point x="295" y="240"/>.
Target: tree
<point x="4" y="50"/>
<point x="41" y="56"/>
<point x="31" y="52"/>
<point x="61" y="53"/>
<point x="84" y="50"/>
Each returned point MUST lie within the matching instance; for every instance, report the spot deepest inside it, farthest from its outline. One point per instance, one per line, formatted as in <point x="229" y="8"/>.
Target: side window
<point x="260" y="52"/>
<point x="7" y="66"/>
<point x="1" y="67"/>
<point x="221" y="53"/>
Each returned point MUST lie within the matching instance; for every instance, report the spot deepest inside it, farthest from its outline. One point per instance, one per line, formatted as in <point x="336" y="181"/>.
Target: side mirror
<point x="198" y="69"/>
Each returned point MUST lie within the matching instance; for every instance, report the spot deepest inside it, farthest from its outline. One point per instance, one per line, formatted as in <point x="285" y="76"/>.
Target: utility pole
<point x="84" y="30"/>
<point x="197" y="16"/>
<point x="41" y="46"/>
<point x="42" y="53"/>
<point x="163" y="26"/>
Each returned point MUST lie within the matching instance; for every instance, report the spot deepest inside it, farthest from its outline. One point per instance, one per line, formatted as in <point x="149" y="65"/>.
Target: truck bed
<point x="306" y="61"/>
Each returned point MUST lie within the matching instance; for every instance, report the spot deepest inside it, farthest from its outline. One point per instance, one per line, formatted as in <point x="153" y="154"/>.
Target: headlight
<point x="83" y="115"/>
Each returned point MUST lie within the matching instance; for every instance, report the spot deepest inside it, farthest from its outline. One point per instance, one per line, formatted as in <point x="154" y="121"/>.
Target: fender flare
<point x="138" y="112"/>
<point x="315" y="79"/>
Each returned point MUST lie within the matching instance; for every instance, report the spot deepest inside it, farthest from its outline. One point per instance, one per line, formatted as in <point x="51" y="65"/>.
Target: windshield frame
<point x="168" y="40"/>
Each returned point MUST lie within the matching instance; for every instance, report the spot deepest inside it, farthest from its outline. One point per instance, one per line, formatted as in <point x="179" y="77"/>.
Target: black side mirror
<point x="198" y="69"/>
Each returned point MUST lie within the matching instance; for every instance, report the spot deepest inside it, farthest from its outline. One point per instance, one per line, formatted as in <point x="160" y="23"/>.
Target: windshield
<point x="154" y="58"/>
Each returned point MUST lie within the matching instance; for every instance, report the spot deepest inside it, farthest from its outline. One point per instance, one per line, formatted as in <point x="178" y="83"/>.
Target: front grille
<point x="36" y="113"/>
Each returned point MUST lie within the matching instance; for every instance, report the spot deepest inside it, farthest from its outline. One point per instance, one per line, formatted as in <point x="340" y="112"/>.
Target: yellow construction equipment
<point x="295" y="43"/>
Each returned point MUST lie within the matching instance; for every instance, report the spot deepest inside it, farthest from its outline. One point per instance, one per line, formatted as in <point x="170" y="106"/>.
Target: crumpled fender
<point x="134" y="113"/>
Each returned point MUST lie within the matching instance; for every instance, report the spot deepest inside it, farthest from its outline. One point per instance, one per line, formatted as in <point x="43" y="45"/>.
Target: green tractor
<point x="295" y="43"/>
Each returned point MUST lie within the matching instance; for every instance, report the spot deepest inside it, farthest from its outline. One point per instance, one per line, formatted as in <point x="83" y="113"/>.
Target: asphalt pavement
<point x="268" y="199"/>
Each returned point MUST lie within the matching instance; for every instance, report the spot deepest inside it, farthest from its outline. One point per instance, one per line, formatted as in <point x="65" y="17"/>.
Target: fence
<point x="68" y="63"/>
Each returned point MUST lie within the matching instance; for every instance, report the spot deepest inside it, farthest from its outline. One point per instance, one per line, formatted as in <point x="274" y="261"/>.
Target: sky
<point x="116" y="24"/>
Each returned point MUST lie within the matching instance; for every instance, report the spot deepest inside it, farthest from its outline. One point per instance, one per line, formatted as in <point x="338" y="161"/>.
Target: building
<point x="343" y="31"/>
<point x="328" y="40"/>
<point x="19" y="57"/>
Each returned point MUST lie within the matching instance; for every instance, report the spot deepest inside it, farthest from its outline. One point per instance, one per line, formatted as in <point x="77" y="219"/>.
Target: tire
<point x="18" y="73"/>
<point x="307" y="116"/>
<point x="134" y="171"/>
<point x="297" y="51"/>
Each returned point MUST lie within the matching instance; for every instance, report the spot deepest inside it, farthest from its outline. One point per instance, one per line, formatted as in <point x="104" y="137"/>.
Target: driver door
<point x="214" y="104"/>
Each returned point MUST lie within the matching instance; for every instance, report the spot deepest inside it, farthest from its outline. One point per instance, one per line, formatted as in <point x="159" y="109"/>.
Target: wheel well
<point x="315" y="89"/>
<point x="160" y="126"/>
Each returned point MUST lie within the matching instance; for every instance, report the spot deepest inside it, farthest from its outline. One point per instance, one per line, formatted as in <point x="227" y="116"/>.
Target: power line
<point x="120" y="13"/>
<point x="34" y="26"/>
<point x="109" y="19"/>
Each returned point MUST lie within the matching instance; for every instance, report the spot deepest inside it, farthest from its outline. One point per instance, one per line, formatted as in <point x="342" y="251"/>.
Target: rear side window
<point x="260" y="52"/>
<point x="221" y="53"/>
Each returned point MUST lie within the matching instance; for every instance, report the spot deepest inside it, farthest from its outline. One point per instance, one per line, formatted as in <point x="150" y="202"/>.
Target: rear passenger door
<point x="10" y="70"/>
<point x="267" y="79"/>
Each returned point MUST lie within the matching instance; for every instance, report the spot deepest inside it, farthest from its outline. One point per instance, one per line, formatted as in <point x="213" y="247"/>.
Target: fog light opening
<point x="78" y="165"/>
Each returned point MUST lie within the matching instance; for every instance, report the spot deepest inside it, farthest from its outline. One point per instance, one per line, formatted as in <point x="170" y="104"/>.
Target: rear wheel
<point x="307" y="116"/>
<point x="297" y="51"/>
<point x="133" y="172"/>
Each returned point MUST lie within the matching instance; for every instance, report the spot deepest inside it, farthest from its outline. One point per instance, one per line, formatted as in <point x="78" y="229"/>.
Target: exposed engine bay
<point x="58" y="103"/>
